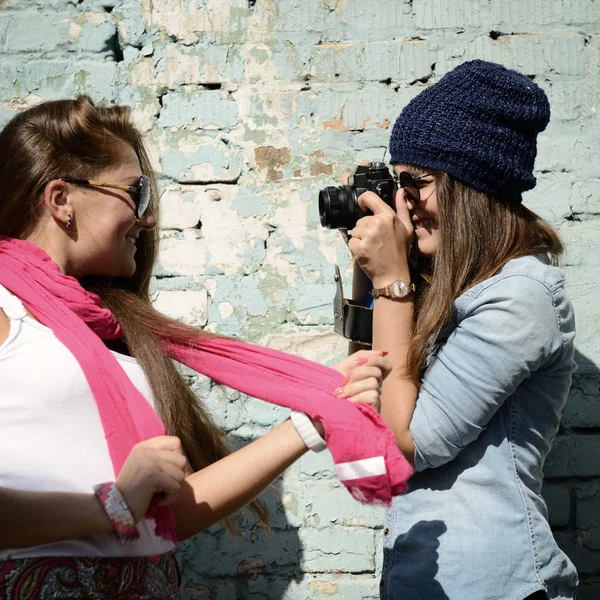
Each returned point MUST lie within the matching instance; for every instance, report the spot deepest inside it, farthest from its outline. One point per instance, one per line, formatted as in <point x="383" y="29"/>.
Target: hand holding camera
<point x="380" y="230"/>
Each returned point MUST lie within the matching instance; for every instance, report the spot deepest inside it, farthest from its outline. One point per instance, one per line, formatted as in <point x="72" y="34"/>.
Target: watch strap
<point x="388" y="292"/>
<point x="351" y="319"/>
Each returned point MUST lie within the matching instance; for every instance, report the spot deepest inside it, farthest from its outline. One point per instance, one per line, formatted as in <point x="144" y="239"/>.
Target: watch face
<point x="399" y="289"/>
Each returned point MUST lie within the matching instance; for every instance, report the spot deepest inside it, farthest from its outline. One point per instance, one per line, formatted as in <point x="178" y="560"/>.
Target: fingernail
<point x="361" y="361"/>
<point x="383" y="352"/>
<point x="339" y="392"/>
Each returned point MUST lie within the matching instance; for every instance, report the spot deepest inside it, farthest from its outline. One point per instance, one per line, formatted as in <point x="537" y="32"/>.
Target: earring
<point x="69" y="221"/>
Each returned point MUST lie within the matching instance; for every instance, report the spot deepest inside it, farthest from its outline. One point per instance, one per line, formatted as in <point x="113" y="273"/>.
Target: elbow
<point x="406" y="445"/>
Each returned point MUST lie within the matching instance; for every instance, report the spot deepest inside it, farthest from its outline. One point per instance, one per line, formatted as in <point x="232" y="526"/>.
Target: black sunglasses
<point x="140" y="193"/>
<point x="410" y="184"/>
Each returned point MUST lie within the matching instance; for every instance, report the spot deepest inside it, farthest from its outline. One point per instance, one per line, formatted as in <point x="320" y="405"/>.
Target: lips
<point x="422" y="224"/>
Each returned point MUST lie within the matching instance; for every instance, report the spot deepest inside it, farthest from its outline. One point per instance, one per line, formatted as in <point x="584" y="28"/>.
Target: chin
<point x="120" y="270"/>
<point x="426" y="249"/>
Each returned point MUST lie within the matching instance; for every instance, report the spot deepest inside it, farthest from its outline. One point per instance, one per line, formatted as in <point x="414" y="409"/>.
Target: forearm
<point x="392" y="328"/>
<point x="226" y="486"/>
<point x="35" y="518"/>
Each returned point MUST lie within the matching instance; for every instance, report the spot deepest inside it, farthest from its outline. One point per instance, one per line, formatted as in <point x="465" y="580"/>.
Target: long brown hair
<point x="478" y="235"/>
<point x="76" y="138"/>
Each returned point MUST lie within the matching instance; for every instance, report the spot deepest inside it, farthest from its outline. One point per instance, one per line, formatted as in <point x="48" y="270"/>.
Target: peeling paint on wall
<point x="250" y="107"/>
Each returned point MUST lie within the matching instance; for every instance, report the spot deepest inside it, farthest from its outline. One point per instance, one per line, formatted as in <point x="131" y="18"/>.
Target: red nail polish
<point x="383" y="352"/>
<point x="361" y="361"/>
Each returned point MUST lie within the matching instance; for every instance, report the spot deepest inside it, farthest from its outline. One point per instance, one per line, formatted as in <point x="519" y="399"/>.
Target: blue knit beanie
<point x="479" y="124"/>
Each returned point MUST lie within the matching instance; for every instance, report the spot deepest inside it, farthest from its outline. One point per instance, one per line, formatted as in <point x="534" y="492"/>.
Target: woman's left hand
<point x="365" y="371"/>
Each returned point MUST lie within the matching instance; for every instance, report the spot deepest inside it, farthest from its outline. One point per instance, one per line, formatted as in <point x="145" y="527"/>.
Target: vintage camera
<point x="338" y="206"/>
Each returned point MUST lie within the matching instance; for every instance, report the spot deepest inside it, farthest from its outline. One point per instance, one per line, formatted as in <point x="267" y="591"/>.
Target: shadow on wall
<point x="572" y="478"/>
<point x="256" y="565"/>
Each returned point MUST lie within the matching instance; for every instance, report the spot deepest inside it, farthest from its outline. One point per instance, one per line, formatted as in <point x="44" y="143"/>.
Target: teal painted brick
<point x="565" y="147"/>
<point x="196" y="158"/>
<point x="292" y="587"/>
<point x="33" y="31"/>
<point x="583" y="407"/>
<point x="217" y="555"/>
<point x="292" y="52"/>
<point x="206" y="588"/>
<point x="316" y="465"/>
<point x="558" y="500"/>
<point x="222" y="22"/>
<point x="307" y="15"/>
<point x="551" y="197"/>
<point x="321" y="504"/>
<point x="588" y="514"/>
<point x="316" y="587"/>
<point x="202" y="63"/>
<point x="194" y="109"/>
<point x="53" y="79"/>
<point x="532" y="54"/>
<point x="574" y="456"/>
<point x="342" y="61"/>
<point x="351" y="20"/>
<point x="130" y="18"/>
<point x="504" y="16"/>
<point x="575" y="100"/>
<point x="348" y="107"/>
<point x="405" y="61"/>
<point x="585" y="198"/>
<point x="39" y="33"/>
<point x="96" y="37"/>
<point x="338" y="549"/>
<point x="586" y="561"/>
<point x="383" y="21"/>
<point x="6" y="115"/>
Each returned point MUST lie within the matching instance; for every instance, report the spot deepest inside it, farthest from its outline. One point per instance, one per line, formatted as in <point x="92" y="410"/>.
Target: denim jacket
<point x="473" y="524"/>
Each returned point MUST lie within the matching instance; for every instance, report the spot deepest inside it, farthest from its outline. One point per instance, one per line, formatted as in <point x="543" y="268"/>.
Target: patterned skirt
<point x="132" y="578"/>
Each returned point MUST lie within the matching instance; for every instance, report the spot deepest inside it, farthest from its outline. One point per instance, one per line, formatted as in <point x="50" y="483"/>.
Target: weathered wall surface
<point x="250" y="107"/>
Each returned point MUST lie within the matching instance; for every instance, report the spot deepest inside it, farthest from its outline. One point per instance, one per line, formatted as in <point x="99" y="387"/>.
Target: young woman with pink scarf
<point x="88" y="388"/>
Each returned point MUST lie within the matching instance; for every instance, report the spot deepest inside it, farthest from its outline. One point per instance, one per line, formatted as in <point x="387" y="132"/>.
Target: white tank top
<point x="51" y="436"/>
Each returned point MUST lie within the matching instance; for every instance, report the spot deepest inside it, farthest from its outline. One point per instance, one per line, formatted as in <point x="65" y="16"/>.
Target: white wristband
<point x="307" y="431"/>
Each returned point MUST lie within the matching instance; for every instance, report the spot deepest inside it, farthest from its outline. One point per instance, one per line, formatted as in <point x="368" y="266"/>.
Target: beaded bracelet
<point x="118" y="512"/>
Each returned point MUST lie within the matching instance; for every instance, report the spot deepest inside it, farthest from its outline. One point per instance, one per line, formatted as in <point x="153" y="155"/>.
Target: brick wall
<point x="250" y="107"/>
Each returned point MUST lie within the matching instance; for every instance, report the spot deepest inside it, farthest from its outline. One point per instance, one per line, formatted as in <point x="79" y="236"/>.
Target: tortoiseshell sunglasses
<point x="140" y="193"/>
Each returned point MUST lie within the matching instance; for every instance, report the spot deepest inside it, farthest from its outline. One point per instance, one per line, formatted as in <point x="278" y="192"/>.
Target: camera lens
<point x="338" y="208"/>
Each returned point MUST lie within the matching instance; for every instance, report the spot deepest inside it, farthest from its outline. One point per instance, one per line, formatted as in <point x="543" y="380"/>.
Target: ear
<point x="57" y="199"/>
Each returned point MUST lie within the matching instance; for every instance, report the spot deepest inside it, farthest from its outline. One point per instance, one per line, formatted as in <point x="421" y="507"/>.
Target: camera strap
<point x="351" y="320"/>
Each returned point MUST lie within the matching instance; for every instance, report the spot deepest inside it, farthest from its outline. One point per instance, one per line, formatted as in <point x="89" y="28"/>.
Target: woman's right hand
<point x="154" y="467"/>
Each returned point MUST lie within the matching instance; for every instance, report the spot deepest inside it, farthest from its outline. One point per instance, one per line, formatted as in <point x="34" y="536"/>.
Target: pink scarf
<point x="364" y="450"/>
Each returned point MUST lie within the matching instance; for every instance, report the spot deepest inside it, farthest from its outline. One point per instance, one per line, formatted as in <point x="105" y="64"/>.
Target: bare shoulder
<point x="4" y="327"/>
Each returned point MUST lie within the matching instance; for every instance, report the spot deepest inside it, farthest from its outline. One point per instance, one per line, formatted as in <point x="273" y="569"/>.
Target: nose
<point x="148" y="221"/>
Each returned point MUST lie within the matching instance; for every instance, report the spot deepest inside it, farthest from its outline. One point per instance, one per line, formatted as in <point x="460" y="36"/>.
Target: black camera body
<point x="338" y="206"/>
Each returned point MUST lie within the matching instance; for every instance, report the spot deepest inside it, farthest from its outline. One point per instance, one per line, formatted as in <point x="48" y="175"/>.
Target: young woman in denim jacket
<point x="482" y="351"/>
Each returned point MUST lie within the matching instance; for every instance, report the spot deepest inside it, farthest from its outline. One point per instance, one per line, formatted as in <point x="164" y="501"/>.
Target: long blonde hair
<point x="478" y="235"/>
<point x="79" y="139"/>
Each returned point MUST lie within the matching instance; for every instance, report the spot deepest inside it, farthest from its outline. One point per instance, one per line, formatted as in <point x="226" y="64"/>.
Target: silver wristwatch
<point x="397" y="289"/>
